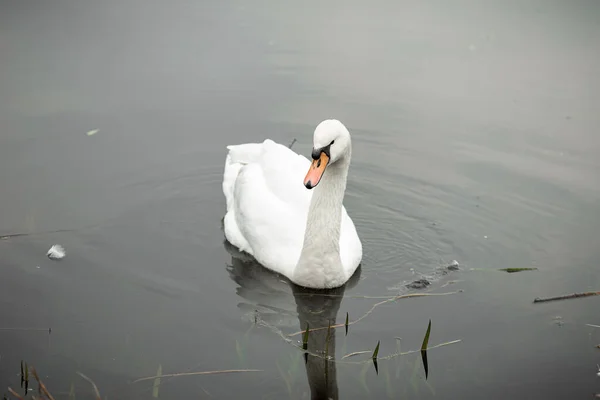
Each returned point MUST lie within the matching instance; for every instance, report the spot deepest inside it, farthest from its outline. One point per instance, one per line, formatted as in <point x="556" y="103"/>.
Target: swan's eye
<point x="331" y="142"/>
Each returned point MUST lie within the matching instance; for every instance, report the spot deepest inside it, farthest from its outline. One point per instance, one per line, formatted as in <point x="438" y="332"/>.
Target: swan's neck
<point x="320" y="264"/>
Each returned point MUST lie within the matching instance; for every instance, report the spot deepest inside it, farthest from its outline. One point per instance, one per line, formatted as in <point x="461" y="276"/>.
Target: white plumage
<point x="305" y="235"/>
<point x="56" y="252"/>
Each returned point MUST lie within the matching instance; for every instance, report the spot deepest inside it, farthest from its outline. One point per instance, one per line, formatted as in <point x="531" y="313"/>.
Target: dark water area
<point x="475" y="131"/>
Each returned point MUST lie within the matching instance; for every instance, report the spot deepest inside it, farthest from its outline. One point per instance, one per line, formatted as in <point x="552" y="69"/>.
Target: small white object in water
<point x="56" y="252"/>
<point x="453" y="266"/>
<point x="92" y="132"/>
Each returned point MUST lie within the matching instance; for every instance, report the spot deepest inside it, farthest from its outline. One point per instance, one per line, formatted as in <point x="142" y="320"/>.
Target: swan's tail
<point x="238" y="156"/>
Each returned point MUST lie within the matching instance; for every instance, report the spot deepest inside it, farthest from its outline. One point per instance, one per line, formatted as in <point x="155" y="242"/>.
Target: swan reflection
<point x="281" y="303"/>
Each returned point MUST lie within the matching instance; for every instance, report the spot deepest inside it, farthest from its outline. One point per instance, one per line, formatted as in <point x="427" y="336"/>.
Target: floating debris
<point x="453" y="265"/>
<point x="566" y="297"/>
<point x="92" y="132"/>
<point x="56" y="252"/>
<point x="513" y="270"/>
<point x="419" y="284"/>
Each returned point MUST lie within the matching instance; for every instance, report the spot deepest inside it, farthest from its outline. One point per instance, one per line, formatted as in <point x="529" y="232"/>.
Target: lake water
<point x="475" y="138"/>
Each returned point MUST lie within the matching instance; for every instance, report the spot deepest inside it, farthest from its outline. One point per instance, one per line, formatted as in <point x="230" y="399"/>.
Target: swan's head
<point x="331" y="143"/>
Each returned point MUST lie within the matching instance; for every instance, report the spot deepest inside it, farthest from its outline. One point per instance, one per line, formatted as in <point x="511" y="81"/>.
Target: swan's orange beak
<point x="316" y="170"/>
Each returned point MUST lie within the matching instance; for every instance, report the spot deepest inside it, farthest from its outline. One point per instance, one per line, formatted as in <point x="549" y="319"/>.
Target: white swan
<point x="305" y="235"/>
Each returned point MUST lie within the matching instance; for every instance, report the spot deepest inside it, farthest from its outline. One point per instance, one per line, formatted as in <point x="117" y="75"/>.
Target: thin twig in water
<point x="19" y="397"/>
<point x="229" y="371"/>
<point x="450" y="283"/>
<point x="21" y="234"/>
<point x="593" y="326"/>
<point x="313" y="354"/>
<point x="25" y="329"/>
<point x="388" y="300"/>
<point x="566" y="297"/>
<point x="91" y="382"/>
<point x="356" y="353"/>
<point x="291" y="144"/>
<point x="388" y="357"/>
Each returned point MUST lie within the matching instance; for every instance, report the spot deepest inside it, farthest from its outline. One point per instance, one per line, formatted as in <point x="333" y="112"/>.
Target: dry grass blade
<point x="426" y="338"/>
<point x="19" y="397"/>
<point x="96" y="391"/>
<point x="305" y="337"/>
<point x="374" y="358"/>
<point x="376" y="351"/>
<point x="156" y="385"/>
<point x="347" y="318"/>
<point x="327" y="341"/>
<point x="42" y="386"/>
<point x="228" y="371"/>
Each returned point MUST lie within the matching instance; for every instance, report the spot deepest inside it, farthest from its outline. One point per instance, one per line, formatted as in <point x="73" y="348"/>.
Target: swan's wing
<point x="284" y="171"/>
<point x="267" y="203"/>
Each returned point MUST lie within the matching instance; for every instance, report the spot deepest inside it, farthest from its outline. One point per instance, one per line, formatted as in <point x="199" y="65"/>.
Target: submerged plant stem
<point x="96" y="391"/>
<point x="42" y="386"/>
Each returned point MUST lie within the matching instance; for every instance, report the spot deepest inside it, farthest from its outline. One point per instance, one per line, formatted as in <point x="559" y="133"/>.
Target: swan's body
<point x="305" y="235"/>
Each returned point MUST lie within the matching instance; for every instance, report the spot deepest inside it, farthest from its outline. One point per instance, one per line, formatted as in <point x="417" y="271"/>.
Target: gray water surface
<point x="475" y="138"/>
